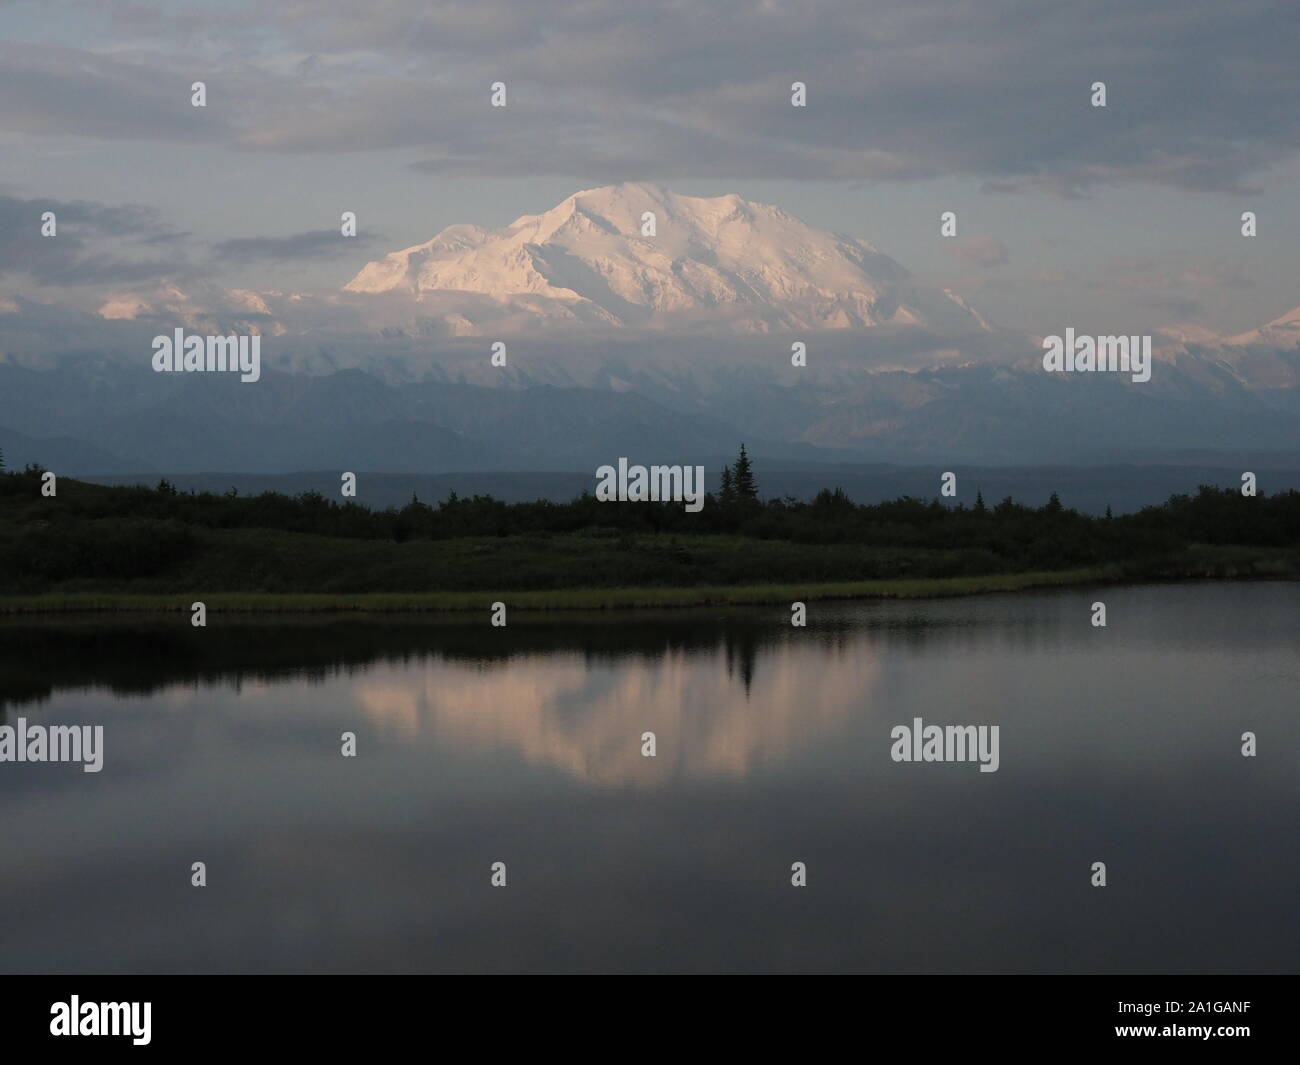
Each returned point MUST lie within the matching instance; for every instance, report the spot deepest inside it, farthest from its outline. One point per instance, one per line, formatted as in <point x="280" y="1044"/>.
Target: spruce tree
<point x="727" y="491"/>
<point x="743" y="477"/>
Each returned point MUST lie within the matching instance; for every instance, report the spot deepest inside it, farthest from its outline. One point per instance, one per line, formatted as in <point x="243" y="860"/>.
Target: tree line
<point x="127" y="530"/>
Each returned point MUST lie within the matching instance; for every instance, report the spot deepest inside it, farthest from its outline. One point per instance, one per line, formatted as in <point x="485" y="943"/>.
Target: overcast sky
<point x="1125" y="217"/>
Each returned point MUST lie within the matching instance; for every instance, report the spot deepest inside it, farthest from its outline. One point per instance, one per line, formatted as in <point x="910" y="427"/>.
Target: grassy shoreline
<point x="551" y="599"/>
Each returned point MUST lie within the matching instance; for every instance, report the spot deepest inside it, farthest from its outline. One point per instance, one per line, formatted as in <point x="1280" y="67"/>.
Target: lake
<point x="524" y="746"/>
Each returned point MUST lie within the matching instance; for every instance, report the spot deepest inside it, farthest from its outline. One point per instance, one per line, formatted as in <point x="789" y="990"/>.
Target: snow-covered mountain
<point x="1263" y="358"/>
<point x="1283" y="332"/>
<point x="628" y="344"/>
<point x="720" y="261"/>
<point x="201" y="306"/>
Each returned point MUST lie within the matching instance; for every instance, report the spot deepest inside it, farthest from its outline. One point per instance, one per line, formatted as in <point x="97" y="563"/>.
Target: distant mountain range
<point x="666" y="347"/>
<point x="1091" y="489"/>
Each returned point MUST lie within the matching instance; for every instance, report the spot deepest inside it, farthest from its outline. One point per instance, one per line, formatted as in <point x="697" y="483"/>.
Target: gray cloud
<point x="95" y="244"/>
<point x="65" y="91"/>
<point x="1201" y="94"/>
<point x="1174" y="274"/>
<point x="983" y="252"/>
<point x="1178" y="307"/>
<point x="316" y="244"/>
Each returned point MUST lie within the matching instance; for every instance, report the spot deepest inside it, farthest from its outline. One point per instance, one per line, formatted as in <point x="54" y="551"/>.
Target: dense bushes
<point x="94" y="533"/>
<point x="117" y="548"/>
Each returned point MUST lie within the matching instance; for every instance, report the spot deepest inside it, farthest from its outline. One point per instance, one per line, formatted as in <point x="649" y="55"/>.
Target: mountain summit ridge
<point x="597" y="257"/>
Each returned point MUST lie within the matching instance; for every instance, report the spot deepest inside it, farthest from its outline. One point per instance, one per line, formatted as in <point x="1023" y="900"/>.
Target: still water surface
<point x="523" y="745"/>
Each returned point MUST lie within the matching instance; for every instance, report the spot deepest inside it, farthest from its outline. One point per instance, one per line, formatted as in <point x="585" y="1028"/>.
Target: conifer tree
<point x="743" y="477"/>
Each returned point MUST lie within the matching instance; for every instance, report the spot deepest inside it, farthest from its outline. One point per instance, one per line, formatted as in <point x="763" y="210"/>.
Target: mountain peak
<point x="637" y="254"/>
<point x="1283" y="332"/>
